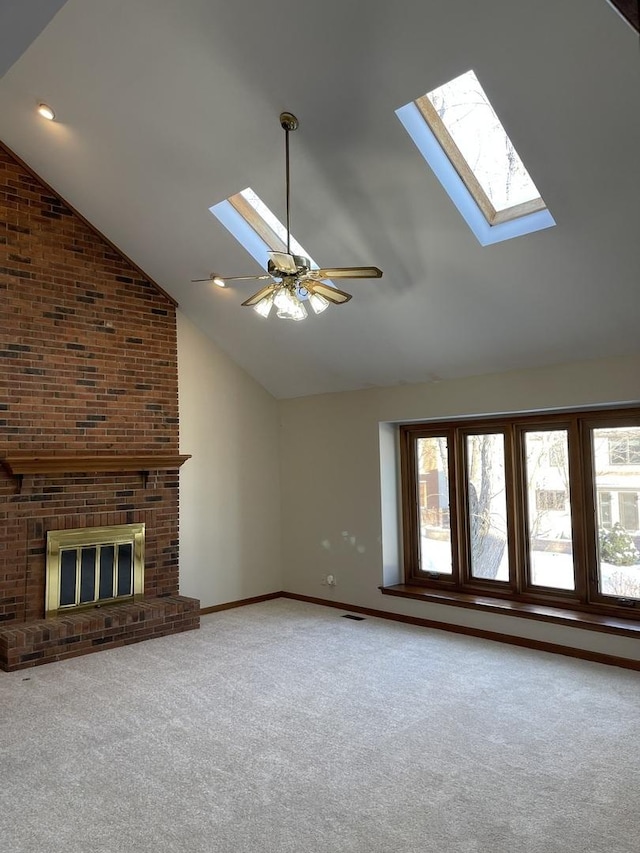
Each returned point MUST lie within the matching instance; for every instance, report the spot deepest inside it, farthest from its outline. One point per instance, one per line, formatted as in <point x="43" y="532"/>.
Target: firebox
<point x="88" y="567"/>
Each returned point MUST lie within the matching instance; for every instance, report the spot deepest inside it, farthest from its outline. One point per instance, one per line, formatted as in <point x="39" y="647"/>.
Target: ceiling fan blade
<point x="231" y="278"/>
<point x="338" y="297"/>
<point x="347" y="272"/>
<point x="264" y="291"/>
<point x="246" y="277"/>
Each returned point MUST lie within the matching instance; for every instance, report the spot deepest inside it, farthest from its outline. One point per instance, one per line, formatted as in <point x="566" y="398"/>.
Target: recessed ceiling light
<point x="46" y="112"/>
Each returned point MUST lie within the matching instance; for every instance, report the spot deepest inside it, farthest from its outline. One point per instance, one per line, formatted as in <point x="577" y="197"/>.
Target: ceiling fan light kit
<point x="288" y="304"/>
<point x="263" y="308"/>
<point x="318" y="303"/>
<point x="292" y="280"/>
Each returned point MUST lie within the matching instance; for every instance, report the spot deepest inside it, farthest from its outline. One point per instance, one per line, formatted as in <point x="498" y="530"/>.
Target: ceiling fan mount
<point x="288" y="121"/>
<point x="292" y="278"/>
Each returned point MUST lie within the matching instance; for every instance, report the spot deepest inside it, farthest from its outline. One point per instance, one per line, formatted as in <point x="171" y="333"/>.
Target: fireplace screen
<point x="91" y="566"/>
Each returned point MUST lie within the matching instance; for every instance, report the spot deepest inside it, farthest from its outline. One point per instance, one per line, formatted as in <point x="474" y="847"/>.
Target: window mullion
<point x="454" y="504"/>
<point x="582" y="508"/>
<point x="514" y="510"/>
<point x="410" y="502"/>
<point x="460" y="519"/>
<point x="520" y="525"/>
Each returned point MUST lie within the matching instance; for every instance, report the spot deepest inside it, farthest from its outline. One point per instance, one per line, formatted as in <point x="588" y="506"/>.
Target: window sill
<point x="539" y="612"/>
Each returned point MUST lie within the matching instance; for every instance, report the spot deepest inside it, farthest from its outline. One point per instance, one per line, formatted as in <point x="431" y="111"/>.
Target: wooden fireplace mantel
<point x="19" y="465"/>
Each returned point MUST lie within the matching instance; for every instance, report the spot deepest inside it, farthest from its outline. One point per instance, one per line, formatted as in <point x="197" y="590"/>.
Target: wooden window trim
<point x="461" y="586"/>
<point x="253" y="218"/>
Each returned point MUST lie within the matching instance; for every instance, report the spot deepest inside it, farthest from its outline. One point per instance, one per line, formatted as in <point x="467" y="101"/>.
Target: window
<point x="547" y="501"/>
<point x="435" y="531"/>
<point x="624" y="450"/>
<point x="604" y="509"/>
<point x="628" y="510"/>
<point x="458" y="132"/>
<point x="527" y="508"/>
<point x="550" y="541"/>
<point x="486" y="505"/>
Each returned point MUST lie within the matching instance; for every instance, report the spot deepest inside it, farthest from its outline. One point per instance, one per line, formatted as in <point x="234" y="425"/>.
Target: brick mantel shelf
<point x="20" y="464"/>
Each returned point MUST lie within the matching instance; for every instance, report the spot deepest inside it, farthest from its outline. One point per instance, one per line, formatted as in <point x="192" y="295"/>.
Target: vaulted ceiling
<point x="165" y="108"/>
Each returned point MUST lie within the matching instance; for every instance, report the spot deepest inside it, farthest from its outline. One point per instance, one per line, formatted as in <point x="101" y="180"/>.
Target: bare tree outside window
<point x="487" y="506"/>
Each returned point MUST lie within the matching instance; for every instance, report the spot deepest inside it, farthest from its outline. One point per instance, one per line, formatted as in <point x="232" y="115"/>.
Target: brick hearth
<point x="78" y="633"/>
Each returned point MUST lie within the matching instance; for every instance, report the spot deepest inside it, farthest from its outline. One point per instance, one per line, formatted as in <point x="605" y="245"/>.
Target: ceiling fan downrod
<point x="288" y="122"/>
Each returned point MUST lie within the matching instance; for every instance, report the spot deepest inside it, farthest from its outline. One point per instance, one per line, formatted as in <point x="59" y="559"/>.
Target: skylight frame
<point x="264" y="222"/>
<point x="433" y="140"/>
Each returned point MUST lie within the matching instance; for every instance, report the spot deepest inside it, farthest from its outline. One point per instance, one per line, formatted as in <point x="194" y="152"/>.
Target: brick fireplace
<point x="88" y="422"/>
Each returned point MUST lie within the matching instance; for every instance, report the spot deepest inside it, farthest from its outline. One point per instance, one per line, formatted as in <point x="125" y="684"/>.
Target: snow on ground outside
<point x="549" y="569"/>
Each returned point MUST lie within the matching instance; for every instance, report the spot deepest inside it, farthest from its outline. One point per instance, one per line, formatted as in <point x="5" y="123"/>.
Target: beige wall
<point x="229" y="491"/>
<point x="339" y="501"/>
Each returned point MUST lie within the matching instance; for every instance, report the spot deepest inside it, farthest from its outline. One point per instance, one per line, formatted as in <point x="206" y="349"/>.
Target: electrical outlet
<point x="331" y="580"/>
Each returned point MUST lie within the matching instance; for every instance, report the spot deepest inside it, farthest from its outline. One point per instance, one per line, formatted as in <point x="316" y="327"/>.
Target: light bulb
<point x="220" y="282"/>
<point x="46" y="112"/>
<point x="300" y="311"/>
<point x="282" y="299"/>
<point x="263" y="308"/>
<point x="318" y="303"/>
<point x="288" y="305"/>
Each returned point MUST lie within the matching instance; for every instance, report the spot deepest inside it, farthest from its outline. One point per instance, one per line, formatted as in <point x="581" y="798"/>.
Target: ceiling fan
<point x="292" y="281"/>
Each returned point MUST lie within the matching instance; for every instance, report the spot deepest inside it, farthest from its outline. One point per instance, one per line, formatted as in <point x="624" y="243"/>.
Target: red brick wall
<point x="88" y="365"/>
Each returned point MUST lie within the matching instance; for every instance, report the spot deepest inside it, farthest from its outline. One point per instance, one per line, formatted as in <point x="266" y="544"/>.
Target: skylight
<point x="461" y="137"/>
<point x="256" y="227"/>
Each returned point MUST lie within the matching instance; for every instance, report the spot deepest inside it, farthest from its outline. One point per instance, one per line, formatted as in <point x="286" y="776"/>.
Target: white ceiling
<point x="165" y="108"/>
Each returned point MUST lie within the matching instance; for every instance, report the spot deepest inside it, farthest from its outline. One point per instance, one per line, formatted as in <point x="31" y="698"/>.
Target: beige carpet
<point x="284" y="727"/>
